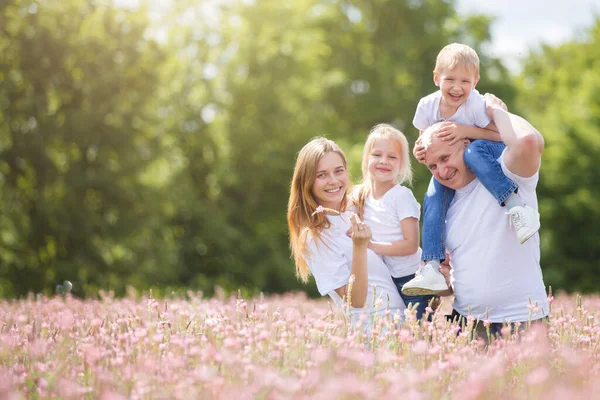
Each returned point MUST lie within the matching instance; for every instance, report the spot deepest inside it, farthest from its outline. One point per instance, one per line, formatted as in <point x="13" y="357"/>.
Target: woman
<point x="330" y="241"/>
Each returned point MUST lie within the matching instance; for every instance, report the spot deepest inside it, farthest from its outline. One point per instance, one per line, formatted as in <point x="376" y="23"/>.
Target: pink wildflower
<point x="319" y="210"/>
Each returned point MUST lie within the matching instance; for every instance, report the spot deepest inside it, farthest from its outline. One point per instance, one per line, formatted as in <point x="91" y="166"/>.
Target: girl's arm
<point x="409" y="245"/>
<point x="361" y="234"/>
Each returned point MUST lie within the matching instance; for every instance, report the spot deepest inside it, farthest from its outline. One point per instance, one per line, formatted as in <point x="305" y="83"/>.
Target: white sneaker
<point x="525" y="220"/>
<point x="426" y="282"/>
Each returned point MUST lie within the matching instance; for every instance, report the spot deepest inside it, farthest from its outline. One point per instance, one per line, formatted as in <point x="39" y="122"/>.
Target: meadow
<point x="282" y="347"/>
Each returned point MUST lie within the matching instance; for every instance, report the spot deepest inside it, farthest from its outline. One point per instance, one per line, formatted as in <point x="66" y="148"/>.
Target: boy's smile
<point x="456" y="85"/>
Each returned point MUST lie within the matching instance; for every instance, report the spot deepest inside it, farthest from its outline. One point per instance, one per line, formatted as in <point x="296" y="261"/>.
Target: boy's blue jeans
<point x="481" y="158"/>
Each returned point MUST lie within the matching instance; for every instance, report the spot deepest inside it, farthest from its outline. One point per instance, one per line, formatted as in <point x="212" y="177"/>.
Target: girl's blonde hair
<point x="456" y="54"/>
<point x="405" y="175"/>
<point x="302" y="204"/>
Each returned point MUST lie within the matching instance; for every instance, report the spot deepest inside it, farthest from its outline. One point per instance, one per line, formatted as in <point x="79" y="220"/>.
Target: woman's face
<point x="331" y="181"/>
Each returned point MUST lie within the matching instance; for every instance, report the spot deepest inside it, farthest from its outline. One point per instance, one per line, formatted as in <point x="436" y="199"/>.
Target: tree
<point x="559" y="91"/>
<point x="76" y="118"/>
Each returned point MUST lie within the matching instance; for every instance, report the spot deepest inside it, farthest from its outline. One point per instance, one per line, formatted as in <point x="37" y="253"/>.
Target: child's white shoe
<point x="525" y="220"/>
<point x="429" y="280"/>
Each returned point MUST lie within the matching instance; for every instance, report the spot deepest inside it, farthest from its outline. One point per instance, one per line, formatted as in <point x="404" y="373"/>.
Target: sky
<point x="524" y="24"/>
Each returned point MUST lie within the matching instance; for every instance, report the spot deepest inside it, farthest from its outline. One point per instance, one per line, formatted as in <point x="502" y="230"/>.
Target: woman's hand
<point x="359" y="232"/>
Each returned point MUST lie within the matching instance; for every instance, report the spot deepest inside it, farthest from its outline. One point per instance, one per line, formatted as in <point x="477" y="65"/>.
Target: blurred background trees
<point x="153" y="145"/>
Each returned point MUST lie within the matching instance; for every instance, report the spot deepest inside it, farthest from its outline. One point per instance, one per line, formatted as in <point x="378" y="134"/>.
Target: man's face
<point x="446" y="163"/>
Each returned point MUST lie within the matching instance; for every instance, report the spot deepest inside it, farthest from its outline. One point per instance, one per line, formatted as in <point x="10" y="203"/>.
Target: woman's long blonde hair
<point x="302" y="204"/>
<point x="405" y="175"/>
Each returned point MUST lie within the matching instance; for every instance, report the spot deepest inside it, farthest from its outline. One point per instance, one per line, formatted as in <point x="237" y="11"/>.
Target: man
<point x="495" y="277"/>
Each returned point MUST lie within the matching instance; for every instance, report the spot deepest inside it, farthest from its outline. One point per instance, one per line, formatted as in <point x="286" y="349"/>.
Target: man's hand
<point x="452" y="132"/>
<point x="446" y="270"/>
<point x="491" y="103"/>
<point x="419" y="151"/>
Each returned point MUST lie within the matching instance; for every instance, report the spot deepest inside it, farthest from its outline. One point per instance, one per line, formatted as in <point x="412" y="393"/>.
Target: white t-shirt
<point x="330" y="262"/>
<point x="471" y="112"/>
<point x="491" y="268"/>
<point x="384" y="215"/>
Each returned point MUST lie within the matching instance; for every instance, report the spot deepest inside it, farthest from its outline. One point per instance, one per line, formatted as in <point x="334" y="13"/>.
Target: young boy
<point x="462" y="108"/>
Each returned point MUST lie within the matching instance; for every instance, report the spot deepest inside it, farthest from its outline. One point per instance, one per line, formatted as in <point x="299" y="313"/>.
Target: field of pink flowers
<point x="279" y="348"/>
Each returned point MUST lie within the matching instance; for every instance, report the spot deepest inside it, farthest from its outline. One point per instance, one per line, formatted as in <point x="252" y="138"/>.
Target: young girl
<point x="318" y="221"/>
<point x="389" y="208"/>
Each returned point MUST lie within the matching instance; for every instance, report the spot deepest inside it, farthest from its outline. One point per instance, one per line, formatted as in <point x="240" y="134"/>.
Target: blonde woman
<point x="319" y="220"/>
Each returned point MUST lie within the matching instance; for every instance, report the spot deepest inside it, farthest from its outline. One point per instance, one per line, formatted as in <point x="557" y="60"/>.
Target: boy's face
<point x="456" y="84"/>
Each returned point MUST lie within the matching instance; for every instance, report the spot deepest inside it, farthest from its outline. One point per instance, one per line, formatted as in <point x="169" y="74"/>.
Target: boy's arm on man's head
<point x="455" y="132"/>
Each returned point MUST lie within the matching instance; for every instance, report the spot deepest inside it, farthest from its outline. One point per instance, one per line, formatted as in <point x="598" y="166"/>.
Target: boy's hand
<point x="419" y="151"/>
<point x="492" y="102"/>
<point x="452" y="132"/>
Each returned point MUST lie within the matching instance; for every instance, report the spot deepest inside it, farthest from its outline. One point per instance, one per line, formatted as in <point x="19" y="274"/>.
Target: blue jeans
<point x="422" y="300"/>
<point x="481" y="158"/>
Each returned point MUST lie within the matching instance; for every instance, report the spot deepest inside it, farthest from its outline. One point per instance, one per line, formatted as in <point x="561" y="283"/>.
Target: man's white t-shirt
<point x="330" y="262"/>
<point x="471" y="112"/>
<point x="491" y="269"/>
<point x="384" y="215"/>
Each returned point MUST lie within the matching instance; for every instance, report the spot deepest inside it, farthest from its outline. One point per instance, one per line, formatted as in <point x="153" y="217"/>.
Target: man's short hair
<point x="456" y="54"/>
<point x="427" y="135"/>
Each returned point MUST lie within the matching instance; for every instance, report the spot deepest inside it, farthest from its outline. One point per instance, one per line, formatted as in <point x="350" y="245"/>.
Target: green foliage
<point x="154" y="147"/>
<point x="76" y="128"/>
<point x="559" y="91"/>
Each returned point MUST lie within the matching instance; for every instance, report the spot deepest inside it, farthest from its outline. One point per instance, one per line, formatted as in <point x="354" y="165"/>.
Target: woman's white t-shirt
<point x="330" y="262"/>
<point x="492" y="270"/>
<point x="384" y="215"/>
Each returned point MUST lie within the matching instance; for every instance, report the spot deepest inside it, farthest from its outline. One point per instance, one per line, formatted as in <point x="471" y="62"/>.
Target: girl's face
<point x="384" y="161"/>
<point x="331" y="181"/>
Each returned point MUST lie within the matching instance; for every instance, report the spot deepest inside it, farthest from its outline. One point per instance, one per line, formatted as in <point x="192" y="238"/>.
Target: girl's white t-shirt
<point x="384" y="215"/>
<point x="330" y="262"/>
<point x="492" y="270"/>
<point x="472" y="112"/>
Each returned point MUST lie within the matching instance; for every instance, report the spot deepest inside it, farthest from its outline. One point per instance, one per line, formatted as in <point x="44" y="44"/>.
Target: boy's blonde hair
<point x="302" y="204"/>
<point x="405" y="174"/>
<point x="456" y="54"/>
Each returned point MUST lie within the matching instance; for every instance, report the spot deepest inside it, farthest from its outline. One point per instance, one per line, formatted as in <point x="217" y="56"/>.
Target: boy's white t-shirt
<point x="330" y="262"/>
<point x="384" y="215"/>
<point x="471" y="112"/>
<point x="491" y="269"/>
